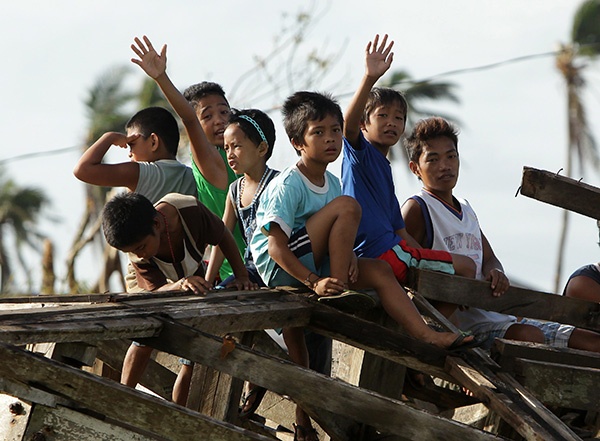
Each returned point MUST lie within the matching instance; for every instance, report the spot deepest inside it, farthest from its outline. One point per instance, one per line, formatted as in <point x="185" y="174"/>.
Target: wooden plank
<point x="13" y="418"/>
<point x="517" y="406"/>
<point x="561" y="191"/>
<point x="516" y="301"/>
<point x="496" y="400"/>
<point x="310" y="388"/>
<point x="69" y="425"/>
<point x="559" y="384"/>
<point x="376" y="339"/>
<point x="156" y="378"/>
<point x="506" y="351"/>
<point x="152" y="415"/>
<point x="114" y="321"/>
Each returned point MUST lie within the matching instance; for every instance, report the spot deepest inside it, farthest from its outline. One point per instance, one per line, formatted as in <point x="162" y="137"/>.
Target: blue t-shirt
<point x="289" y="200"/>
<point x="367" y="177"/>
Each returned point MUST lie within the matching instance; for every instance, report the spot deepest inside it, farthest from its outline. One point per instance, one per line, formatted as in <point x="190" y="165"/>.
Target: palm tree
<point x="571" y="61"/>
<point x="19" y="210"/>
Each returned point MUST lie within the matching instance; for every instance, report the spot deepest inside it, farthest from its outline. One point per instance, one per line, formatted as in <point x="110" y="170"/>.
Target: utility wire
<point x="37" y="154"/>
<point x="408" y="80"/>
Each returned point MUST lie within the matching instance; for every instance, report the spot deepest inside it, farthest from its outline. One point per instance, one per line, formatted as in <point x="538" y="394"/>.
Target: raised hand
<point x="149" y="60"/>
<point x="378" y="57"/>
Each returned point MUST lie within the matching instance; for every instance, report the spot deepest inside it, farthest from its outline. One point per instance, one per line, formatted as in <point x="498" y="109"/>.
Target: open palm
<point x="149" y="60"/>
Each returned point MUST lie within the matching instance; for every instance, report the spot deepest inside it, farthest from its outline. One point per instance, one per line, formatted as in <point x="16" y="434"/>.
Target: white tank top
<point x="459" y="232"/>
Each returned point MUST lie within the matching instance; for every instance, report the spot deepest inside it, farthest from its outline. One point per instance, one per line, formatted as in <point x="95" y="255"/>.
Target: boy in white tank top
<point x="438" y="219"/>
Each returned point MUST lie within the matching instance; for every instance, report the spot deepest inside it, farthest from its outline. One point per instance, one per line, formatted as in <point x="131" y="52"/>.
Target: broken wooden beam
<point x="311" y="388"/>
<point x="559" y="384"/>
<point x="132" y="317"/>
<point x="561" y="191"/>
<point x="111" y="400"/>
<point x="515" y="301"/>
<point x="506" y="351"/>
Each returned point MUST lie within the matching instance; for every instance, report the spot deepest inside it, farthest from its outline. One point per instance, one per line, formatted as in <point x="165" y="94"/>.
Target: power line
<point x="408" y="80"/>
<point x="37" y="154"/>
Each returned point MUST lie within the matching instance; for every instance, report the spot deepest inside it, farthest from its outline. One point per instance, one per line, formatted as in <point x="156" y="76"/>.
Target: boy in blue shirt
<point x="375" y="120"/>
<point x="305" y="230"/>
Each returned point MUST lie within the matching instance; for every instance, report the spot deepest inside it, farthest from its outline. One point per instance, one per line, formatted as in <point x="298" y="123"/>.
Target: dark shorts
<point x="299" y="244"/>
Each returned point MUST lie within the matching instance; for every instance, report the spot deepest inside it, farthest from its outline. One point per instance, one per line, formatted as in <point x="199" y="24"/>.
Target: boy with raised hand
<point x="204" y="116"/>
<point x="305" y="230"/>
<point x="152" y="136"/>
<point x="438" y="219"/>
<point x="374" y="122"/>
<point x="166" y="242"/>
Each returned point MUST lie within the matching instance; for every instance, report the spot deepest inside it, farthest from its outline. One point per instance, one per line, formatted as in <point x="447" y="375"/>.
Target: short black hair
<point x="383" y="96"/>
<point x="264" y="122"/>
<point x="425" y="130"/>
<point x="302" y="107"/>
<point x="197" y="91"/>
<point x="159" y="121"/>
<point x="126" y="219"/>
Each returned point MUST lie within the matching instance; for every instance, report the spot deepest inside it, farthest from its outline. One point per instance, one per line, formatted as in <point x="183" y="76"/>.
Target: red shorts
<point x="402" y="257"/>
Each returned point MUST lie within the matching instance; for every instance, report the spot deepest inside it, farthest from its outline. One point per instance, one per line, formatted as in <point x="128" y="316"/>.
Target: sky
<point x="511" y="115"/>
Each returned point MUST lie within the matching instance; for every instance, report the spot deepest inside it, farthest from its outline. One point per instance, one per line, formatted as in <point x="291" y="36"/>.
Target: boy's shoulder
<point x="362" y="145"/>
<point x="179" y="200"/>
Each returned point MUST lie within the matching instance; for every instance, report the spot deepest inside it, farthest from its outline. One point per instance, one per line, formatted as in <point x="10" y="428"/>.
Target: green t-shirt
<point x="214" y="198"/>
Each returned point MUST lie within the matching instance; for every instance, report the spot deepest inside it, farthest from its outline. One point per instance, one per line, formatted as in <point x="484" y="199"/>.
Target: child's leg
<point x="296" y="344"/>
<point x="181" y="388"/>
<point x="134" y="364"/>
<point x="377" y="274"/>
<point x="332" y="231"/>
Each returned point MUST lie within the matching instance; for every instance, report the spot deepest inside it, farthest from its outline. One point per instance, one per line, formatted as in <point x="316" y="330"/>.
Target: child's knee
<point x="523" y="332"/>
<point x="348" y="206"/>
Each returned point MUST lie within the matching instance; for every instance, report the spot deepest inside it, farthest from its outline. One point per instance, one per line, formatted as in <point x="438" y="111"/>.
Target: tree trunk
<point x="48" y="276"/>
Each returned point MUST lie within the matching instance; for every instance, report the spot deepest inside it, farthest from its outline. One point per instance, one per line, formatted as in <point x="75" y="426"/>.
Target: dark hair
<point x="302" y="107"/>
<point x="127" y="219"/>
<point x="197" y="91"/>
<point x="383" y="96"/>
<point x="425" y="130"/>
<point x="264" y="122"/>
<point x="159" y="121"/>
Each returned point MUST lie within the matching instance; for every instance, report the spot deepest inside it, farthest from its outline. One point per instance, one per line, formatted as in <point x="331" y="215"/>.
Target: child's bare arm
<point x="285" y="258"/>
<point x="216" y="256"/>
<point x="492" y="269"/>
<point x="232" y="253"/>
<point x="414" y="221"/>
<point x="91" y="170"/>
<point x="205" y="155"/>
<point x="378" y="59"/>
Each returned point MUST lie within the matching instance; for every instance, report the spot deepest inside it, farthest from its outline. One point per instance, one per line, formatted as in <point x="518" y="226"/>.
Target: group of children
<point x="299" y="226"/>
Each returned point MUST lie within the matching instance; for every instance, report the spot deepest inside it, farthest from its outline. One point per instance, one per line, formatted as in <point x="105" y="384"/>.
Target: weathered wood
<point x="308" y="387"/>
<point x="67" y="324"/>
<point x="517" y="406"/>
<point x="559" y="384"/>
<point x="506" y="351"/>
<point x="495" y="399"/>
<point x="516" y="301"/>
<point x="14" y="416"/>
<point x="561" y="191"/>
<point x="156" y="378"/>
<point x="123" y="320"/>
<point x="68" y="425"/>
<point x="392" y="345"/>
<point x="120" y="403"/>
